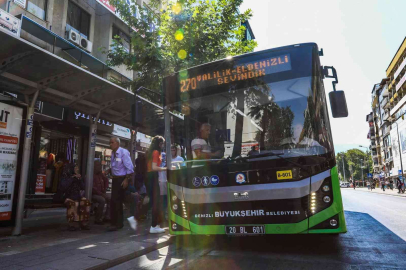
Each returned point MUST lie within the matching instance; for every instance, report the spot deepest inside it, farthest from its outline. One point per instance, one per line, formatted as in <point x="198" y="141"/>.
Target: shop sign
<point x="40" y="184"/>
<point x="79" y="115"/>
<point x="83" y="120"/>
<point x="10" y="128"/>
<point x="10" y="23"/>
<point x="93" y="140"/>
<point x="112" y="9"/>
<point x="121" y="131"/>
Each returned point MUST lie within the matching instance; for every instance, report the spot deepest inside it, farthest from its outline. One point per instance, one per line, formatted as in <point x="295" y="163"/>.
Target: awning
<point x="93" y="64"/>
<point x="25" y="67"/>
<point x="395" y="95"/>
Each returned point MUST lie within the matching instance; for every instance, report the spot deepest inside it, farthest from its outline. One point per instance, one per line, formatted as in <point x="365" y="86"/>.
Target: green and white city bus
<point x="270" y="166"/>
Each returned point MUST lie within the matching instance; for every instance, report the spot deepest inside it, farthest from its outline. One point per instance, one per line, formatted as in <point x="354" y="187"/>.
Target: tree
<point x="352" y="163"/>
<point x="184" y="34"/>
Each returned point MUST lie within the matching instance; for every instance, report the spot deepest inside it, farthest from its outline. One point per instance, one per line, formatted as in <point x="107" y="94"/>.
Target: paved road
<point x="374" y="241"/>
<point x="387" y="209"/>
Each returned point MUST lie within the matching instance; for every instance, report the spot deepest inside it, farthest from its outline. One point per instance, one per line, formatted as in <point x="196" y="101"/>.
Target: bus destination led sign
<point x="239" y="73"/>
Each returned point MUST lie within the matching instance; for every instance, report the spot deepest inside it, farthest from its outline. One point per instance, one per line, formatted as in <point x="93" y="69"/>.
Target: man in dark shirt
<point x="99" y="195"/>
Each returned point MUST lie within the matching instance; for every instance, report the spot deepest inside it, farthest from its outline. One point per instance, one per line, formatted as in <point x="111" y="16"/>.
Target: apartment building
<point x="388" y="105"/>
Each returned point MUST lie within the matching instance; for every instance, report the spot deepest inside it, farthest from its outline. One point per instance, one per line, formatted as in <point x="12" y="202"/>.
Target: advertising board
<point x="9" y="23"/>
<point x="10" y="128"/>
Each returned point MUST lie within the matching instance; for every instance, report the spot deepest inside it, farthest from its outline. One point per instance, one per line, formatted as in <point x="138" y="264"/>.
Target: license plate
<point x="245" y="230"/>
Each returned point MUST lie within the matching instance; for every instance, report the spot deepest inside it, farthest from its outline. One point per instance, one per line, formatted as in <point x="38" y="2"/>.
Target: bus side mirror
<point x="338" y="104"/>
<point x="136" y="113"/>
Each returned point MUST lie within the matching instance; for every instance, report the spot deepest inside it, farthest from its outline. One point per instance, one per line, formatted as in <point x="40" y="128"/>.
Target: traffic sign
<point x="369" y="175"/>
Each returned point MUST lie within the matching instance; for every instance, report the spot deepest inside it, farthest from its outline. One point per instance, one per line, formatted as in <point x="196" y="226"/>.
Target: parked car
<point x="345" y="185"/>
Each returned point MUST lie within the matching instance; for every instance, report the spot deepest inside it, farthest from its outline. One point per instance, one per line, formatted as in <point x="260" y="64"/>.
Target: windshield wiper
<point x="271" y="154"/>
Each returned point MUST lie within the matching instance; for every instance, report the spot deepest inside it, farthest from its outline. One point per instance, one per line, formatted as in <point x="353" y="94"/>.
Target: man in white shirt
<point x="201" y="148"/>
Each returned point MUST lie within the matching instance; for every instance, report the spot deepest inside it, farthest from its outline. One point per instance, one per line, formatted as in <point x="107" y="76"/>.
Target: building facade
<point x="388" y="134"/>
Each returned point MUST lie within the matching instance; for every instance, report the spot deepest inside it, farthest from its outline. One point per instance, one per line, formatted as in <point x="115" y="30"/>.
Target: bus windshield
<point x="281" y="113"/>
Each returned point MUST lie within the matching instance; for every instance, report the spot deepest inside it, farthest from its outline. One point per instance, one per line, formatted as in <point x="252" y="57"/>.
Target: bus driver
<point x="201" y="147"/>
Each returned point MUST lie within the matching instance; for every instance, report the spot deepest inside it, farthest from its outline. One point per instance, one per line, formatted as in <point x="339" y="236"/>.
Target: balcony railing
<point x="384" y="102"/>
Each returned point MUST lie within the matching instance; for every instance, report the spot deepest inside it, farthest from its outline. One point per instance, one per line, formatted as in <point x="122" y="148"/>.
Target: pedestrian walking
<point x="399" y="184"/>
<point x="121" y="171"/>
<point x="154" y="161"/>
<point x="391" y="184"/>
<point x="383" y="185"/>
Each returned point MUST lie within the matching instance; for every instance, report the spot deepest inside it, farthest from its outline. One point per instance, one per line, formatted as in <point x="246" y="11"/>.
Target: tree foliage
<point x="185" y="33"/>
<point x="352" y="164"/>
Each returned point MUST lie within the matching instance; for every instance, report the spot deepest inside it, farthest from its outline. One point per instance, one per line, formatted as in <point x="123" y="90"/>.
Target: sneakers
<point x="156" y="229"/>
<point x="133" y="223"/>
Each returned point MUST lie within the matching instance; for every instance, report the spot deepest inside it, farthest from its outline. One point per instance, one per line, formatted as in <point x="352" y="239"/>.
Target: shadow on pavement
<point x="367" y="245"/>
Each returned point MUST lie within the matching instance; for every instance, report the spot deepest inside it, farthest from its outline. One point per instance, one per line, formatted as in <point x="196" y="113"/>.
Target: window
<point x="149" y="12"/>
<point x="125" y="40"/>
<point x="37" y="8"/>
<point x="78" y="19"/>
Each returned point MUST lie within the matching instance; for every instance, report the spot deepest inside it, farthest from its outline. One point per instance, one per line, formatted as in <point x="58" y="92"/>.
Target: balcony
<point x="385" y="116"/>
<point x="373" y="146"/>
<point x="370" y="118"/>
<point x="386" y="130"/>
<point x="389" y="159"/>
<point x="384" y="102"/>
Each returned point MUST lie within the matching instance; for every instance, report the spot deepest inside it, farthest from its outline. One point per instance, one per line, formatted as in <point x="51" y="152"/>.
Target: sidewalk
<point x="53" y="247"/>
<point x="393" y="192"/>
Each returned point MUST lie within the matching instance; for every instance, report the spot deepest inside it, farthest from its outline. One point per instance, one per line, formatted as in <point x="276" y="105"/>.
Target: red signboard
<point x="106" y="4"/>
<point x="40" y="185"/>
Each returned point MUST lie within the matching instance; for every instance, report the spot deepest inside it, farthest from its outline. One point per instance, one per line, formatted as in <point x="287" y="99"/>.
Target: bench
<point x="35" y="202"/>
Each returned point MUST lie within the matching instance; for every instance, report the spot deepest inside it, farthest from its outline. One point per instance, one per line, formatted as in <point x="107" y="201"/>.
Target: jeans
<point x="153" y="191"/>
<point x="116" y="205"/>
<point x="101" y="203"/>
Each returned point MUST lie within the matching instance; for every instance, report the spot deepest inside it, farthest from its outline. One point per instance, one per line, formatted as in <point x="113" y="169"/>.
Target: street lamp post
<point x="400" y="151"/>
<point x="367" y="158"/>
<point x="343" y="168"/>
<point x="362" y="173"/>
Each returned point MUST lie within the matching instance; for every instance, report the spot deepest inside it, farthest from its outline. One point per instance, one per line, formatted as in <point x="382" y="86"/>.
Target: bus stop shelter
<point x="36" y="73"/>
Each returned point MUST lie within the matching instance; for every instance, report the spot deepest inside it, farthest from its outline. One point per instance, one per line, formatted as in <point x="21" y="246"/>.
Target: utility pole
<point x="400" y="153"/>
<point x="343" y="168"/>
<point x="362" y="173"/>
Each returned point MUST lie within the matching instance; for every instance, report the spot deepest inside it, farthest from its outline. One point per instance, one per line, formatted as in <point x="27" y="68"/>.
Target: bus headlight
<point x="174" y="226"/>
<point x="326" y="188"/>
<point x="326" y="199"/>
<point x="174" y="198"/>
<point x="175" y="207"/>
<point x="333" y="222"/>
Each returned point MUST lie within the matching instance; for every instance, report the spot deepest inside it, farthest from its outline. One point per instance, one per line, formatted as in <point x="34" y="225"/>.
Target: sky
<point x="359" y="38"/>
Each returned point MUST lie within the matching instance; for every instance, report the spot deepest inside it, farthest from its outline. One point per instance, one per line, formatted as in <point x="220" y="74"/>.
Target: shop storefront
<point x="61" y="136"/>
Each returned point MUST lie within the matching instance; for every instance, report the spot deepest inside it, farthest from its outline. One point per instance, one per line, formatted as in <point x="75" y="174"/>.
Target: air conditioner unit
<point x="74" y="36"/>
<point x="86" y="44"/>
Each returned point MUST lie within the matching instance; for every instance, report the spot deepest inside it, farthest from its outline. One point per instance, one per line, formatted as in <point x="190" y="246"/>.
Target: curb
<point x="396" y="195"/>
<point x="128" y="257"/>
